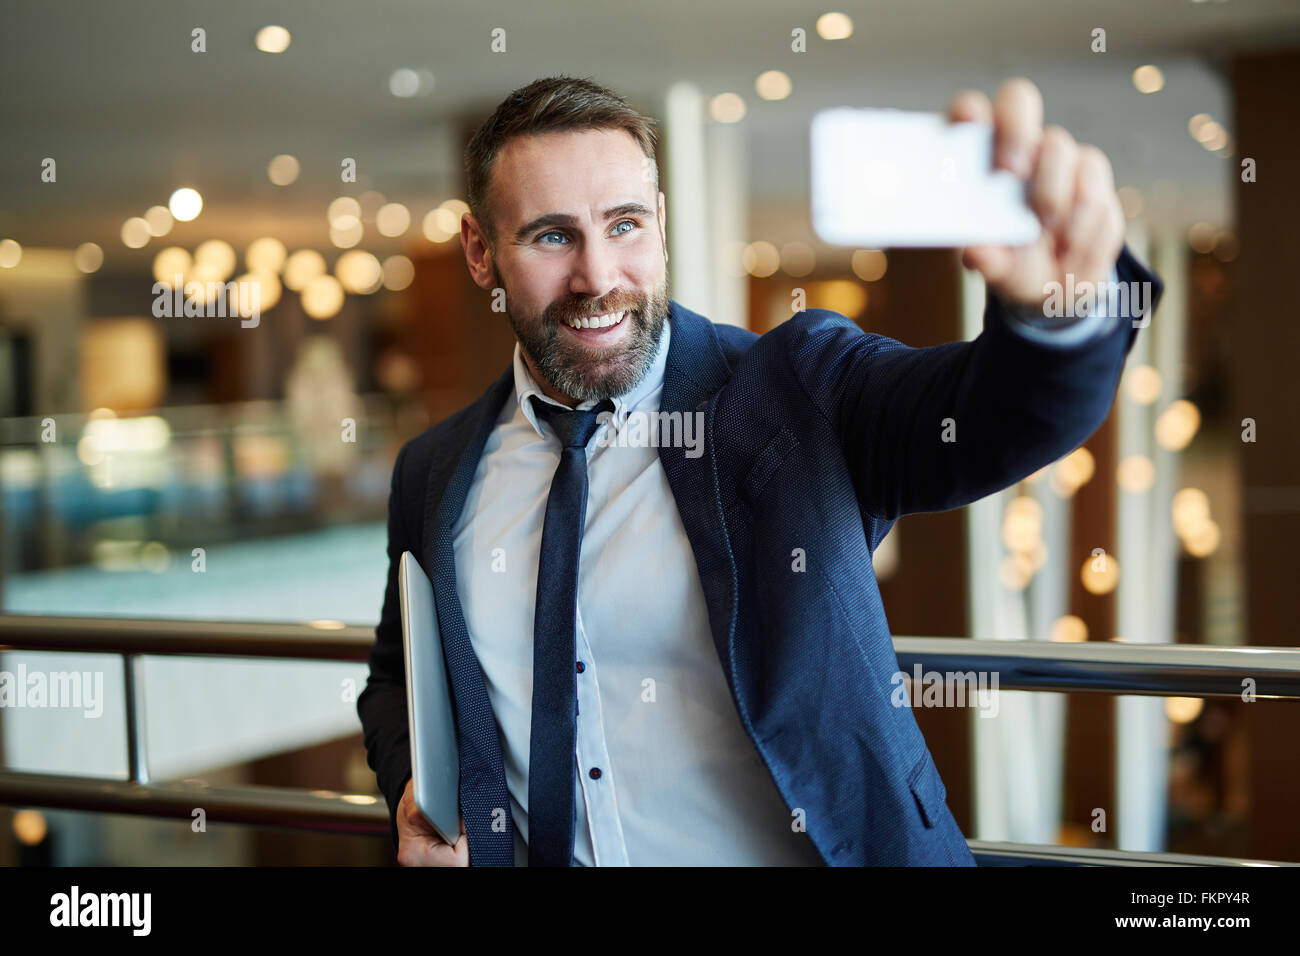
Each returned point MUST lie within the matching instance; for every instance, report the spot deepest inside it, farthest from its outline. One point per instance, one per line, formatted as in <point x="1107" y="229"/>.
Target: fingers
<point x="1052" y="190"/>
<point x="419" y="845"/>
<point x="1069" y="186"/>
<point x="1078" y="255"/>
<point x="416" y="851"/>
<point x="421" y="848"/>
<point x="970" y="106"/>
<point x="1096" y="180"/>
<point x="410" y="821"/>
<point x="1073" y="194"/>
<point x="992" y="262"/>
<point x="1015" y="273"/>
<point x="1092" y="240"/>
<point x="1017" y="126"/>
<point x="432" y="852"/>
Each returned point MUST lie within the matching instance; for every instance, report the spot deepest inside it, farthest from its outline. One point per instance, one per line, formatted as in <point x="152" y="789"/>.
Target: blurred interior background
<point x="226" y="468"/>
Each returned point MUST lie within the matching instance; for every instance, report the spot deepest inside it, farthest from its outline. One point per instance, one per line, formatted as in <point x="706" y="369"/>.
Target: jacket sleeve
<point x="931" y="429"/>
<point x="382" y="704"/>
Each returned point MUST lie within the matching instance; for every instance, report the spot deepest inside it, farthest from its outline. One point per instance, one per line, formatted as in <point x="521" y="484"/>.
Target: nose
<point x="595" y="271"/>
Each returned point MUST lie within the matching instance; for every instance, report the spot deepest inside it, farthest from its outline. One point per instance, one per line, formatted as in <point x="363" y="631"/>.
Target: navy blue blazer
<point x="818" y="437"/>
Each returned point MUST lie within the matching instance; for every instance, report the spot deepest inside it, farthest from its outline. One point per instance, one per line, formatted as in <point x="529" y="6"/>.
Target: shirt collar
<point x="526" y="386"/>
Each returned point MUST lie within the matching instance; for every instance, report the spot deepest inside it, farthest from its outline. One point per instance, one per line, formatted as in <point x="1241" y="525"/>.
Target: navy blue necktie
<point x="552" y="741"/>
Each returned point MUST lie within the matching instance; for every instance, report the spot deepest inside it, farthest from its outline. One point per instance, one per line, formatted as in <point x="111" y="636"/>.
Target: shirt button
<point x="581" y="667"/>
<point x="594" y="773"/>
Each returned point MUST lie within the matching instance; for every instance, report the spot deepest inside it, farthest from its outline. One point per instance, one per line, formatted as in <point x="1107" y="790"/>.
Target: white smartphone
<point x="886" y="177"/>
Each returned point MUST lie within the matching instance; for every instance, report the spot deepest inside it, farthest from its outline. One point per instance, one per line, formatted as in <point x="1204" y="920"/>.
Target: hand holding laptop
<point x="417" y="842"/>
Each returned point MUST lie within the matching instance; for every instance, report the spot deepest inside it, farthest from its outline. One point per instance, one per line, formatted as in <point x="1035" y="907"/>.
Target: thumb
<point x="992" y="262"/>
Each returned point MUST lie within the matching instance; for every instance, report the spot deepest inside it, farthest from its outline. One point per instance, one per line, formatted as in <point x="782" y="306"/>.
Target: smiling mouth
<point x="598" y="324"/>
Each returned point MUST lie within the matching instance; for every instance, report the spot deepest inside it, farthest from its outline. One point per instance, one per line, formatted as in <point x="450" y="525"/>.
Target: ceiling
<point x="115" y="94"/>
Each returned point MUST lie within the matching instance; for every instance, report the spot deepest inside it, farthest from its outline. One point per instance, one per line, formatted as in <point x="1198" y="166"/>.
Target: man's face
<point x="579" y="234"/>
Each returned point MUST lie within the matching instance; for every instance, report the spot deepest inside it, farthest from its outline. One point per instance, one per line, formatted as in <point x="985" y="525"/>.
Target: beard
<point x="592" y="374"/>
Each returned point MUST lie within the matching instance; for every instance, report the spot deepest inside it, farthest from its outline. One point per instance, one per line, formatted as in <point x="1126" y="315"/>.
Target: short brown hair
<point x="550" y="105"/>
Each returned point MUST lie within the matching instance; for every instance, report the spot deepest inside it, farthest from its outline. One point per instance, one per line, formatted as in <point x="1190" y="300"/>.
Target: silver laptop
<point x="435" y="758"/>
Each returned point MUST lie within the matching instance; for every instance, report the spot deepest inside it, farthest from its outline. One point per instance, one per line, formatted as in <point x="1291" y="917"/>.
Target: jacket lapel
<point x="483" y="791"/>
<point x="696" y="370"/>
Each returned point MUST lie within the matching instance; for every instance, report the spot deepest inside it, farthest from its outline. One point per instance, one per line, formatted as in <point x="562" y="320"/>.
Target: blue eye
<point x="617" y="231"/>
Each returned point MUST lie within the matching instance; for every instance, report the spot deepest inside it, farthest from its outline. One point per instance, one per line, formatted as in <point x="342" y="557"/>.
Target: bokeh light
<point x="1177" y="425"/>
<point x="834" y="26"/>
<point x="869" y="265"/>
<point x="185" y="204"/>
<point x="283" y="169"/>
<point x="170" y="263"/>
<point x="88" y="257"/>
<point x="1100" y="574"/>
<point x="392" y="219"/>
<point x="1069" y="629"/>
<point x="301" y="267"/>
<point x="773" y="85"/>
<point x="159" y="220"/>
<point x="727" y="108"/>
<point x="272" y="39"/>
<point x="359" y="272"/>
<point x="135" y="233"/>
<point x="216" y="256"/>
<point x="11" y="253"/>
<point x="322" y="297"/>
<point x="265" y="255"/>
<point x="399" y="273"/>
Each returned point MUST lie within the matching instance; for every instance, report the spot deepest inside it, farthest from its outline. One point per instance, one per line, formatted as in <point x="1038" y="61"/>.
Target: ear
<point x="478" y="257"/>
<point x="663" y="226"/>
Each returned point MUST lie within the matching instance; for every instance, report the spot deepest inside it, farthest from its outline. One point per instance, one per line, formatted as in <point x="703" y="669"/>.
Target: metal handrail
<point x="310" y="640"/>
<point x="1112" y="667"/>
<point x="993" y="853"/>
<point x="324" y="811"/>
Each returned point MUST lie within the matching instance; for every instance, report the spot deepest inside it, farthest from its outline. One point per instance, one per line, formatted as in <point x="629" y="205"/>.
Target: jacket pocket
<point x="765" y="465"/>
<point x="928" y="790"/>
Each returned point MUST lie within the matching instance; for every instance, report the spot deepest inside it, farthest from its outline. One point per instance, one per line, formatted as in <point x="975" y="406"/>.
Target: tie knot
<point x="573" y="426"/>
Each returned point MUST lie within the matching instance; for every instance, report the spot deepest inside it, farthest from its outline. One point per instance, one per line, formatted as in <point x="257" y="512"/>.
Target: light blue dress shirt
<point x="679" y="781"/>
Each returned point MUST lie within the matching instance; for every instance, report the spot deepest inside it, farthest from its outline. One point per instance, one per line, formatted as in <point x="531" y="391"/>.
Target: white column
<point x="686" y="198"/>
<point x="1141" y="729"/>
<point x="729" y="221"/>
<point x="1049" y="599"/>
<point x="1169" y="346"/>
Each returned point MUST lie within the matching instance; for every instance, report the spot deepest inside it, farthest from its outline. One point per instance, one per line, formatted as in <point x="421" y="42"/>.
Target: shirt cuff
<point x="1058" y="333"/>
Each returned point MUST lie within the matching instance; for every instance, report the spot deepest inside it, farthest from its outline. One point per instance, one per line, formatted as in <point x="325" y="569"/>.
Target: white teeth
<point x="599" y="321"/>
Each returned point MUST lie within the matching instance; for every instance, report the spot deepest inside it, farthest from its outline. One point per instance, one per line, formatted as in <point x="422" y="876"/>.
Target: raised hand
<point x="1070" y="188"/>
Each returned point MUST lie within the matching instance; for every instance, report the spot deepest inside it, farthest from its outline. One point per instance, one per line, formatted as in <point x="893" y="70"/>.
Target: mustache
<point x="562" y="312"/>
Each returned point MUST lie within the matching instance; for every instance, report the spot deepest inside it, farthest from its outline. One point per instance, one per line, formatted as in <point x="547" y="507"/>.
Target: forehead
<point x="569" y="172"/>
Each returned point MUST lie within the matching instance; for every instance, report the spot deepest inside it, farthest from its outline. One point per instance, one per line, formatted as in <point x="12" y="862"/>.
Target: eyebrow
<point x="553" y="219"/>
